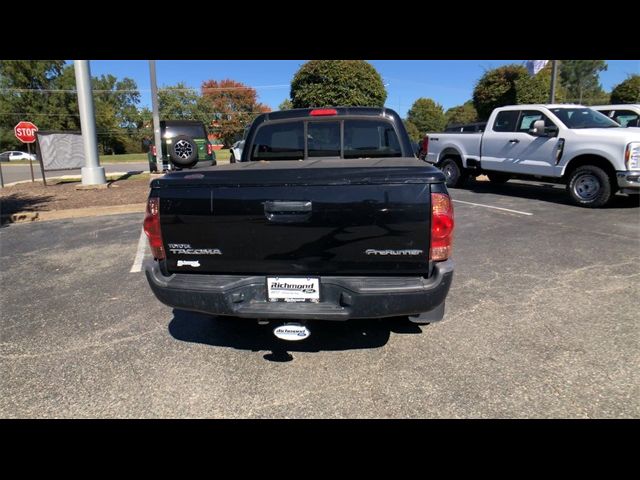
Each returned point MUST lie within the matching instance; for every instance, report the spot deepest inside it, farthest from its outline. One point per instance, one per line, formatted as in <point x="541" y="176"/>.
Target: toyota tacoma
<point x="329" y="216"/>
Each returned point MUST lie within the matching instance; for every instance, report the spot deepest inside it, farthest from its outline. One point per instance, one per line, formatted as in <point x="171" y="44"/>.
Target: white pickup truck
<point x="571" y="144"/>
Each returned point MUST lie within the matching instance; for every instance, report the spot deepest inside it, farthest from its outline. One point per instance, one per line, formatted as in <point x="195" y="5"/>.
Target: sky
<point x="448" y="82"/>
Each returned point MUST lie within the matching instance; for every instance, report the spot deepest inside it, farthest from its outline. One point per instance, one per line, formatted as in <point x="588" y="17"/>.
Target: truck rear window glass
<point x="506" y="121"/>
<point x="323" y="139"/>
<point x="370" y="139"/>
<point x="193" y="131"/>
<point x="626" y="118"/>
<point x="279" y="141"/>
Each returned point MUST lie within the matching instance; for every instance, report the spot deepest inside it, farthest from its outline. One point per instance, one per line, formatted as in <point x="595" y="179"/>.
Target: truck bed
<point x="354" y="217"/>
<point x="467" y="144"/>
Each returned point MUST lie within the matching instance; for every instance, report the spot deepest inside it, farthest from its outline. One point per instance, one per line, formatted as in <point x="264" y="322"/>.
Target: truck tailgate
<point x="356" y="217"/>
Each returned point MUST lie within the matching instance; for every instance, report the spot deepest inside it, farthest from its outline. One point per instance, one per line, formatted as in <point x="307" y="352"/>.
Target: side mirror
<point x="537" y="129"/>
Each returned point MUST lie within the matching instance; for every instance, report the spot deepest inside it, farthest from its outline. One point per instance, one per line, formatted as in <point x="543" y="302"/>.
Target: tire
<point x="454" y="174"/>
<point x="498" y="178"/>
<point x="183" y="152"/>
<point x="590" y="186"/>
<point x="232" y="158"/>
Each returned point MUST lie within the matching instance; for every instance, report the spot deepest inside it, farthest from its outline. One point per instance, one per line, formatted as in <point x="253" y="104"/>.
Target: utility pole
<point x="554" y="74"/>
<point x="92" y="172"/>
<point x="156" y="115"/>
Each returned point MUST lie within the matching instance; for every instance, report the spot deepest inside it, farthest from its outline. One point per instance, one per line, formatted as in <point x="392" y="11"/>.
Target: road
<point x="16" y="173"/>
<point x="541" y="321"/>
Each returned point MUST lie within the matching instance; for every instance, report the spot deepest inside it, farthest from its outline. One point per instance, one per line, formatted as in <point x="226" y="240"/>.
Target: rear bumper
<point x="629" y="182"/>
<point x="342" y="298"/>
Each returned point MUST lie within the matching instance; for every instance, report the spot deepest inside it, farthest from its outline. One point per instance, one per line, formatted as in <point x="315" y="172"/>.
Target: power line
<point x="108" y="115"/>
<point x="139" y="90"/>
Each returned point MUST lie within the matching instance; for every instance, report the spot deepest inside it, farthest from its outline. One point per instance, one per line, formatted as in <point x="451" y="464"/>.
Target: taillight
<point x="209" y="149"/>
<point x="152" y="228"/>
<point x="425" y="144"/>
<point x="319" y="112"/>
<point x="153" y="150"/>
<point x="441" y="227"/>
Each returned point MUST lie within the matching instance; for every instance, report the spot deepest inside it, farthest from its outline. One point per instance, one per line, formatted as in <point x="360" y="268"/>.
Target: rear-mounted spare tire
<point x="183" y="152"/>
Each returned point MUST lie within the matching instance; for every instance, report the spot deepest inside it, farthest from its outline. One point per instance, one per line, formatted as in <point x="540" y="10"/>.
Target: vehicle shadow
<point x="19" y="202"/>
<point x="544" y="192"/>
<point x="246" y="334"/>
<point x="124" y="176"/>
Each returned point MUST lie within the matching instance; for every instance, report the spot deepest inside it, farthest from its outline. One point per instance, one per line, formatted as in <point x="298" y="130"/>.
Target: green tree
<point x="627" y="91"/>
<point x="17" y="103"/>
<point x="509" y="85"/>
<point x="115" y="104"/>
<point x="427" y="116"/>
<point x="412" y="130"/>
<point x="179" y="102"/>
<point x="465" y="113"/>
<point x="323" y="83"/>
<point x="286" y="104"/>
<point x="581" y="78"/>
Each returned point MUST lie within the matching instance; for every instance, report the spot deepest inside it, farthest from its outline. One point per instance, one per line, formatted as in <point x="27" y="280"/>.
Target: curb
<point x="69" y="177"/>
<point x="26" y="217"/>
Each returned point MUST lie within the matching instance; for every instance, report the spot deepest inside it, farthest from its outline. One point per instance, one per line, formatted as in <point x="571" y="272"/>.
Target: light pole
<point x="156" y="115"/>
<point x="92" y="172"/>
<point x="554" y="73"/>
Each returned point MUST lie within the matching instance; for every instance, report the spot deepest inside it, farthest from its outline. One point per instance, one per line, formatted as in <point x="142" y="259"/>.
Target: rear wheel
<point x="590" y="186"/>
<point x="498" y="178"/>
<point x="454" y="174"/>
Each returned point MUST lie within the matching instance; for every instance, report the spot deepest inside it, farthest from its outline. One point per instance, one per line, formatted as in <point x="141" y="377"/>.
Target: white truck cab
<point x="571" y="144"/>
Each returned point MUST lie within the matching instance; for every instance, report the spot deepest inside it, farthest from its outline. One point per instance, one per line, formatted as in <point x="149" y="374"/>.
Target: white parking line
<point x="495" y="208"/>
<point x="142" y="245"/>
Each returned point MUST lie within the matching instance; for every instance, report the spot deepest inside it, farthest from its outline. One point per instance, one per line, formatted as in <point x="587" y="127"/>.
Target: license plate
<point x="285" y="289"/>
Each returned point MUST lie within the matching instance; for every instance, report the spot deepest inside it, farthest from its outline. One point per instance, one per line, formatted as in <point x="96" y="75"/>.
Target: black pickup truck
<point x="329" y="216"/>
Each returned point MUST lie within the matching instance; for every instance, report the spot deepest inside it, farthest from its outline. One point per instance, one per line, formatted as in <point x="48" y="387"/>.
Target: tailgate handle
<point x="287" y="207"/>
<point x="287" y="211"/>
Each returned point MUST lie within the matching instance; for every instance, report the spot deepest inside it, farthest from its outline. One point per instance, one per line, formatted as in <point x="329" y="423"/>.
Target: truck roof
<point x="339" y="111"/>
<point x="617" y="106"/>
<point x="543" y="105"/>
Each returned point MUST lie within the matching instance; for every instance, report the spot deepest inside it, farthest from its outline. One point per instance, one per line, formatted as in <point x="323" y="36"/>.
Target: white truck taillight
<point x="152" y="228"/>
<point x="632" y="156"/>
<point x="441" y="227"/>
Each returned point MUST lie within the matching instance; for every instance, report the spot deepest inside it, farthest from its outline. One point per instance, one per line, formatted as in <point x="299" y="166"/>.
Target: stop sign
<point x="25" y="132"/>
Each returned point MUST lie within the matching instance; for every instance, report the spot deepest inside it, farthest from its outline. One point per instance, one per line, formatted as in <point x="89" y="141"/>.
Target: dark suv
<point x="184" y="144"/>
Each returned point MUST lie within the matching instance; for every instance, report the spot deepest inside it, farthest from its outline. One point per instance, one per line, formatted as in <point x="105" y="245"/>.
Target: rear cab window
<point x="279" y="141"/>
<point x="193" y="131"/>
<point x="335" y="138"/>
<point x="626" y="118"/>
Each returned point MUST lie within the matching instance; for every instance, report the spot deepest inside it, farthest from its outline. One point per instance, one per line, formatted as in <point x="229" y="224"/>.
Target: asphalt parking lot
<point x="541" y="321"/>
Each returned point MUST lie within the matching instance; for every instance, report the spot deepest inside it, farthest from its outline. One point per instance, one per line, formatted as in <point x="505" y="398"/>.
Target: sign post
<point x="26" y="133"/>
